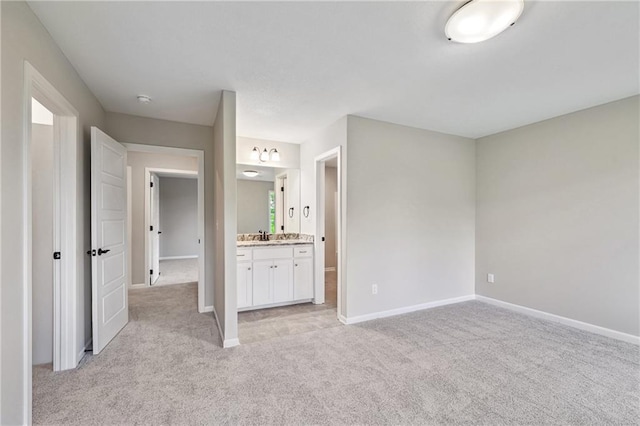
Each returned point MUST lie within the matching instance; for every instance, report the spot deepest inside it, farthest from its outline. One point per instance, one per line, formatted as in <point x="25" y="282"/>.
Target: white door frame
<point x="66" y="136"/>
<point x="149" y="222"/>
<point x="199" y="154"/>
<point x="319" y="163"/>
<point x="148" y="171"/>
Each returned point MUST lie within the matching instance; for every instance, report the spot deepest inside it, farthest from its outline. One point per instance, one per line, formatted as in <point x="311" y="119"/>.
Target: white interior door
<point x="154" y="230"/>
<point x="110" y="308"/>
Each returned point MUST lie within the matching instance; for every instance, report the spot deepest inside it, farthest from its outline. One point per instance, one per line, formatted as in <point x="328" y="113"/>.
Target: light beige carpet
<point x="264" y="324"/>
<point x="177" y="271"/>
<point x="469" y="363"/>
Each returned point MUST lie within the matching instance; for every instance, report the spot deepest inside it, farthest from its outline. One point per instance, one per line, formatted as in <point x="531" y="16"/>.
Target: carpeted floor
<point x="469" y="363"/>
<point x="177" y="271"/>
<point x="264" y="324"/>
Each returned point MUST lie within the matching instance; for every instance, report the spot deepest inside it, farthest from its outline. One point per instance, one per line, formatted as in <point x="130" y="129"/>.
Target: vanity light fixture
<point x="265" y="155"/>
<point x="480" y="20"/>
<point x="250" y="173"/>
<point x="144" y="99"/>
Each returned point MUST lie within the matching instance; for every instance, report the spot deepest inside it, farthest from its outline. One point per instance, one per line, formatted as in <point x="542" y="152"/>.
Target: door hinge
<point x="282" y="189"/>
<point x="151" y="271"/>
<point x="282" y="227"/>
<point x="151" y="184"/>
<point x="322" y="238"/>
<point x="151" y="228"/>
<point x="56" y="255"/>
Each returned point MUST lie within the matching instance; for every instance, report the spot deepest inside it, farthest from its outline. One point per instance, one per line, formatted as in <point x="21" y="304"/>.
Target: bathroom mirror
<point x="268" y="199"/>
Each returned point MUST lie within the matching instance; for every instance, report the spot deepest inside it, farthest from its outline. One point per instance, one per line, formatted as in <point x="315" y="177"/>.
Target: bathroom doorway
<point x="328" y="244"/>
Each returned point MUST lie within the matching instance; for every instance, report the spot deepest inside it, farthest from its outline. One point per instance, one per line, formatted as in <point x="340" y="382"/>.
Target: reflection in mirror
<point x="256" y="199"/>
<point x="268" y="199"/>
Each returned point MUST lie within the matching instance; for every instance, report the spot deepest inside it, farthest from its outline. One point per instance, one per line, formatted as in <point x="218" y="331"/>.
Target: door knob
<point x="101" y="252"/>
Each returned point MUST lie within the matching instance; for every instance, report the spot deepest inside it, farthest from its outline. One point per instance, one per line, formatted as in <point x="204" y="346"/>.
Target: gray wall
<point x="149" y="131"/>
<point x="253" y="205"/>
<point x="178" y="217"/>
<point x="330" y="218"/>
<point x="24" y="38"/>
<point x="411" y="218"/>
<point x="42" y="233"/>
<point x="225" y="287"/>
<point x="557" y="216"/>
<point x="138" y="161"/>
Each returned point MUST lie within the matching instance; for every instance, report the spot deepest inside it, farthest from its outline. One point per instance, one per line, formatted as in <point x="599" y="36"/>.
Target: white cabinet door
<point x="282" y="280"/>
<point x="245" y="285"/>
<point x="303" y="278"/>
<point x="262" y="282"/>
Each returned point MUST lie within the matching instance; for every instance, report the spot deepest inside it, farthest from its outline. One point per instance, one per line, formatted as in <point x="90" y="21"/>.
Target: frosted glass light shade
<point x="480" y="20"/>
<point x="255" y="153"/>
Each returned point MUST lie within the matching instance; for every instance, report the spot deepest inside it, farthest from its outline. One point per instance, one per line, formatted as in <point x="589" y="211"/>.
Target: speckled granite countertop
<point x="272" y="243"/>
<point x="253" y="240"/>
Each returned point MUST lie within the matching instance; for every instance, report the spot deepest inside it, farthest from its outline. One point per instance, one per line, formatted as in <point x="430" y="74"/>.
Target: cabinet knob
<point x="248" y="269"/>
<point x="296" y="264"/>
<point x="276" y="266"/>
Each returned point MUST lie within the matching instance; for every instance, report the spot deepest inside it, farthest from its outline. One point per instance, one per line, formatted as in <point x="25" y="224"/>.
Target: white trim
<point x="618" y="335"/>
<point x="66" y="136"/>
<point x="129" y="226"/>
<point x="230" y="343"/>
<point x="199" y="154"/>
<point x="330" y="269"/>
<point x="406" y="309"/>
<point x="207" y="309"/>
<point x="275" y="305"/>
<point x="319" y="172"/>
<point x="139" y="285"/>
<point x="226" y="343"/>
<point x="84" y="349"/>
<point x="179" y="257"/>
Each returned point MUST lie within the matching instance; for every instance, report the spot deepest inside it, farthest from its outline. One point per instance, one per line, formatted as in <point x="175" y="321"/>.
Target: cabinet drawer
<point x="243" y="254"/>
<point x="303" y="251"/>
<point x="272" y="253"/>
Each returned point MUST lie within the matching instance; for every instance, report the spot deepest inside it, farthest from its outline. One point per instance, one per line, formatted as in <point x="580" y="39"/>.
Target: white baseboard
<point x="226" y="343"/>
<point x="83" y="350"/>
<point x="405" y="310"/>
<point x="179" y="257"/>
<point x="562" y="320"/>
<point x="140" y="285"/>
<point x="208" y="309"/>
<point x="330" y="269"/>
<point x="342" y="319"/>
<point x="229" y="343"/>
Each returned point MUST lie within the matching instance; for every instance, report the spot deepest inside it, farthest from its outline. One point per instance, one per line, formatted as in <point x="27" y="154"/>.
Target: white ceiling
<point x="297" y="67"/>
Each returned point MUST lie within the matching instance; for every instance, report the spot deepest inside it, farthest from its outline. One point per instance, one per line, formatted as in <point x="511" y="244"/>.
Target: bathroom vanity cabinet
<point x="271" y="276"/>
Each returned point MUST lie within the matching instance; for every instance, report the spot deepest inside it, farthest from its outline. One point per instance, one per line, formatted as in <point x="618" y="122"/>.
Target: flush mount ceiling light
<point x="480" y="20"/>
<point x="250" y="173"/>
<point x="144" y="99"/>
<point x="265" y="155"/>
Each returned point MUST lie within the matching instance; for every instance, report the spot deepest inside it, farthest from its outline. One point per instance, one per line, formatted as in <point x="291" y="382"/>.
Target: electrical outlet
<point x="374" y="289"/>
<point x="491" y="278"/>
